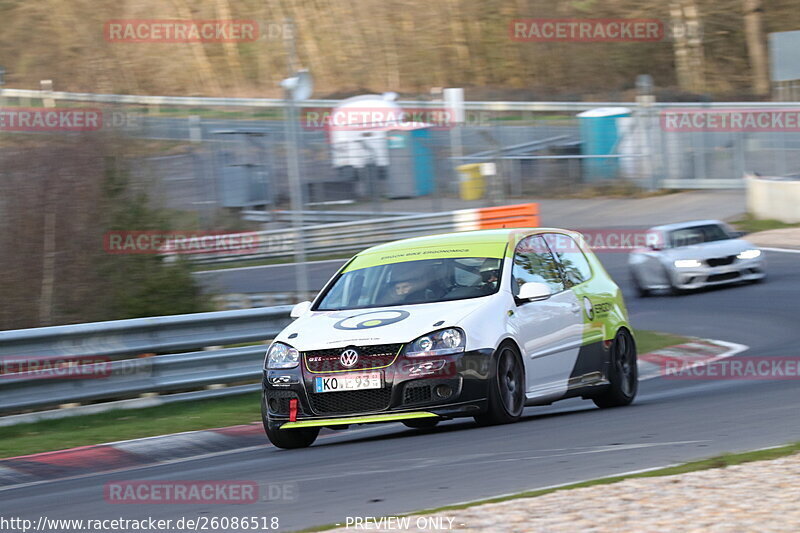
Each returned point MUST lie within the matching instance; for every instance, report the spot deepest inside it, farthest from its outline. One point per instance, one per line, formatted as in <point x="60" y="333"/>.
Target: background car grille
<point x="721" y="261"/>
<point x="368" y="357"/>
<point x="723" y="277"/>
<point x="351" y="401"/>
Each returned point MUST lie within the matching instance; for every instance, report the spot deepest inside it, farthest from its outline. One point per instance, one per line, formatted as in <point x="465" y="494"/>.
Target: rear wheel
<point x="623" y="374"/>
<point x="421" y="423"/>
<point x="506" y="389"/>
<point x="287" y="438"/>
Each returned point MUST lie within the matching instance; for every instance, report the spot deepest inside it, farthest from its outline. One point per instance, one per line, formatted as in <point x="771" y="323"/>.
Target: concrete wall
<point x="773" y="198"/>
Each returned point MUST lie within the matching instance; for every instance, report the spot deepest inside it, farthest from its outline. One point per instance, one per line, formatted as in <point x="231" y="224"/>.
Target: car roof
<point x="500" y="237"/>
<point x="688" y="224"/>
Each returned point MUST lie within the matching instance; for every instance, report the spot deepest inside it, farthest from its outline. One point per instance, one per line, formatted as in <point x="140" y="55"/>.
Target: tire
<point x="506" y="388"/>
<point x="421" y="423"/>
<point x="288" y="439"/>
<point x="623" y="373"/>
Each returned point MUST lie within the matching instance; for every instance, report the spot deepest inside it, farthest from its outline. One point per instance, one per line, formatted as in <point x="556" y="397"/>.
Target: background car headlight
<point x="687" y="263"/>
<point x="749" y="254"/>
<point x="282" y="355"/>
<point x="442" y="342"/>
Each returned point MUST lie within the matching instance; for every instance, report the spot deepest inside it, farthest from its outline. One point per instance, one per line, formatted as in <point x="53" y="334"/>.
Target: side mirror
<point x="738" y="234"/>
<point x="533" y="291"/>
<point x="300" y="309"/>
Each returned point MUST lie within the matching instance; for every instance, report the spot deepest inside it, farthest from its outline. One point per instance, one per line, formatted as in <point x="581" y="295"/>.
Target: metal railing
<point x="650" y="156"/>
<point x="335" y="238"/>
<point x="131" y="99"/>
<point x="316" y="217"/>
<point x="46" y="370"/>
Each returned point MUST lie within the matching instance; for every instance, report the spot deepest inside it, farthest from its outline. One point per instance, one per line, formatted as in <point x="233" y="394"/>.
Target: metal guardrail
<point x="325" y="239"/>
<point x="130" y="99"/>
<point x="122" y="372"/>
<point x="316" y="217"/>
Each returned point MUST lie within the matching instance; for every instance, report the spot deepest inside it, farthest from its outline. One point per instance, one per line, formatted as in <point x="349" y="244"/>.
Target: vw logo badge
<point x="348" y="358"/>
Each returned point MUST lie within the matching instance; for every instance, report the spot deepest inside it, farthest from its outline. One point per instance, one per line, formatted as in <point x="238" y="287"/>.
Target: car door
<point x="549" y="330"/>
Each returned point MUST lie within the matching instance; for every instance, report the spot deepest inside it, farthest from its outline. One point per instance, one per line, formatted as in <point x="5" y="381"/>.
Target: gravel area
<point x="761" y="497"/>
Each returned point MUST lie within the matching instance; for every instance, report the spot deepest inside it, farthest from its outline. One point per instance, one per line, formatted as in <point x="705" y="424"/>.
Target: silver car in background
<point x="691" y="255"/>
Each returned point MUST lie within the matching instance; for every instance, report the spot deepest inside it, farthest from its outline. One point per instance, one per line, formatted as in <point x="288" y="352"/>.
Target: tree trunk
<point x="756" y="45"/>
<point x="689" y="56"/>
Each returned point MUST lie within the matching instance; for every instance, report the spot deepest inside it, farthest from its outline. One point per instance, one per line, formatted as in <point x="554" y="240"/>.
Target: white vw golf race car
<point x="476" y="324"/>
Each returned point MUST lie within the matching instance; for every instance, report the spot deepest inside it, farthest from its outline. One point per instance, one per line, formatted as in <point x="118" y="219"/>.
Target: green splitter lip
<point x="388" y="417"/>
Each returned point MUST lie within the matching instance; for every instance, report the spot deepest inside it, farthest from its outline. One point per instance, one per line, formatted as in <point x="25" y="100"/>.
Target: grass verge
<point x="750" y="224"/>
<point x="720" y="461"/>
<point x="650" y="341"/>
<point x="125" y="424"/>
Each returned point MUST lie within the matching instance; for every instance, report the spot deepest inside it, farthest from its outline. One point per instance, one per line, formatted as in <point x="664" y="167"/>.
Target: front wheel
<point x="623" y="374"/>
<point x="506" y="388"/>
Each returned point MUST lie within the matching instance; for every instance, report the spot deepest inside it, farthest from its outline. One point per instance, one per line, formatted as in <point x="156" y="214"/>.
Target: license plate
<point x="350" y="382"/>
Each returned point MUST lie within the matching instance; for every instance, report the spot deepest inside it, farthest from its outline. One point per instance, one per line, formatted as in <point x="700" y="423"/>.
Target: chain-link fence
<point x="204" y="155"/>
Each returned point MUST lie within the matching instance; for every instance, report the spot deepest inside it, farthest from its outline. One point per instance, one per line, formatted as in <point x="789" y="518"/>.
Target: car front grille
<point x="361" y="401"/>
<point x="320" y="361"/>
<point x="721" y="261"/>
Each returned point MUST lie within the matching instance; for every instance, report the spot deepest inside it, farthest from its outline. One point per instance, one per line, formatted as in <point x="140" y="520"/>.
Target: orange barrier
<point x="509" y="216"/>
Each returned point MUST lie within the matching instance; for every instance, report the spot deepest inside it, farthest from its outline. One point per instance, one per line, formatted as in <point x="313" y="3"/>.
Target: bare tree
<point x="756" y="45"/>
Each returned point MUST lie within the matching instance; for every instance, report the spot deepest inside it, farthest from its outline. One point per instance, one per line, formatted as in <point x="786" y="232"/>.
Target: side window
<point x="573" y="261"/>
<point x="534" y="262"/>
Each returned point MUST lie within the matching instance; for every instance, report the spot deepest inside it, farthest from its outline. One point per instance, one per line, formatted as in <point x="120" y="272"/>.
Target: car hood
<point x="318" y="330"/>
<point x="709" y="250"/>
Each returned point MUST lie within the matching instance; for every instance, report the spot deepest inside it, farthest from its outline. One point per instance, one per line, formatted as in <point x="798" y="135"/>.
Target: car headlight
<point x="282" y="355"/>
<point x="442" y="342"/>
<point x="687" y="263"/>
<point x="749" y="254"/>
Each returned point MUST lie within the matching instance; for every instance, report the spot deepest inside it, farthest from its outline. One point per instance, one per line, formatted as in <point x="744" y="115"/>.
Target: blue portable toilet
<point x="411" y="162"/>
<point x="600" y="136"/>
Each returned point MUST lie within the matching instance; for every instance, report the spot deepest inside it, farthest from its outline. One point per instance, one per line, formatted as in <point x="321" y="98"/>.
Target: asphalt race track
<point x="385" y="470"/>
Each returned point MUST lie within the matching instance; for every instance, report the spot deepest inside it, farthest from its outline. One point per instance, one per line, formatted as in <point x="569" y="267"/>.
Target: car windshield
<point x="697" y="235"/>
<point x="413" y="282"/>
